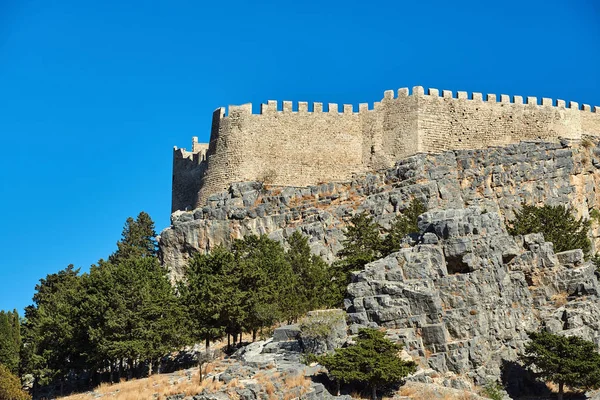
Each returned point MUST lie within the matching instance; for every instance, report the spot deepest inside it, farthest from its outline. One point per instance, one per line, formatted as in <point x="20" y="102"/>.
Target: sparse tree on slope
<point x="404" y="224"/>
<point x="310" y="279"/>
<point x="567" y="361"/>
<point x="361" y="245"/>
<point x="373" y="360"/>
<point x="558" y="224"/>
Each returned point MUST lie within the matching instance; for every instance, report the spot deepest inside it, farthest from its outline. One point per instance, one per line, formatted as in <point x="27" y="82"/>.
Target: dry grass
<point x="417" y="391"/>
<point x="188" y="383"/>
<point x="559" y="299"/>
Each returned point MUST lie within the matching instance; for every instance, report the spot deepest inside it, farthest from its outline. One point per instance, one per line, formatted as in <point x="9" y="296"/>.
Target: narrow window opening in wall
<point x="372" y="149"/>
<point x="456" y="265"/>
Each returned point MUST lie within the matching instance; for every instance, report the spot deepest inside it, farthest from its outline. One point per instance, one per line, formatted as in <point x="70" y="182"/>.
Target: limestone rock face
<point x="496" y="179"/>
<point x="464" y="302"/>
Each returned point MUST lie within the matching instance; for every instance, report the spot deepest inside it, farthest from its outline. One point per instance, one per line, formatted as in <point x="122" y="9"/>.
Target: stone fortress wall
<point x="298" y="147"/>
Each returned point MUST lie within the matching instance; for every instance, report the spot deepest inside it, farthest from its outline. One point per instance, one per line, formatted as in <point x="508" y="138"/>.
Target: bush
<point x="373" y="361"/>
<point x="557" y="223"/>
<point x="567" y="361"/>
<point x="493" y="390"/>
<point x="10" y="386"/>
<point x="323" y="330"/>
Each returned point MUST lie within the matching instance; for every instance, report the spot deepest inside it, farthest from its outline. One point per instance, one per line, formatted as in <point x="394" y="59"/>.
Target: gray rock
<point x="286" y="332"/>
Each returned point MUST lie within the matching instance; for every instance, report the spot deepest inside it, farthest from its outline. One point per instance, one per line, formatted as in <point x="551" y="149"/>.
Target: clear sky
<point x="95" y="94"/>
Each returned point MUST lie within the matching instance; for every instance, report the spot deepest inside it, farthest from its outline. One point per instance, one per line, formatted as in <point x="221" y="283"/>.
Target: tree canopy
<point x="373" y="361"/>
<point x="558" y="224"/>
<point x="10" y="340"/>
<point x="569" y="361"/>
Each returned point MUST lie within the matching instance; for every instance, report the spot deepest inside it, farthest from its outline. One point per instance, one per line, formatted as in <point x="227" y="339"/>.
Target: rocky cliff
<point x="494" y="179"/>
<point x="463" y="299"/>
<point x="464" y="295"/>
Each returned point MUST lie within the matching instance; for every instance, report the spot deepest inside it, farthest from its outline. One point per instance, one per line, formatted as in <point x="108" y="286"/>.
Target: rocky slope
<point x="496" y="179"/>
<point x="463" y="299"/>
<point x="464" y="295"/>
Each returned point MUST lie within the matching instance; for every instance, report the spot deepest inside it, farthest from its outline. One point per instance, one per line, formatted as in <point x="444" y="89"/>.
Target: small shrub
<point x="319" y="325"/>
<point x="10" y="386"/>
<point x="586" y="143"/>
<point x="493" y="390"/>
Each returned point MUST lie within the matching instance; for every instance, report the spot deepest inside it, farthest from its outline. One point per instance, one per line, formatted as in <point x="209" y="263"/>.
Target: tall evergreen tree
<point x="310" y="281"/>
<point x="264" y="280"/>
<point x="206" y="294"/>
<point x="52" y="335"/>
<point x="132" y="312"/>
<point x="361" y="245"/>
<point x="10" y="340"/>
<point x="138" y="239"/>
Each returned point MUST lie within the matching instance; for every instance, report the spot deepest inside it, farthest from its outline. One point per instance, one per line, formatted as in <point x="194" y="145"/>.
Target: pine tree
<point x="310" y="281"/>
<point x="404" y="224"/>
<point x="10" y="340"/>
<point x="569" y="361"/>
<point x="138" y="239"/>
<point x="132" y="312"/>
<point x="362" y="244"/>
<point x="206" y="295"/>
<point x="264" y="280"/>
<point x="52" y="335"/>
<point x="558" y="224"/>
<point x="373" y="360"/>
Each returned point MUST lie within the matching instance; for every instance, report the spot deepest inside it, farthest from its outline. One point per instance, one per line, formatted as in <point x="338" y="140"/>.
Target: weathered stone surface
<point x="495" y="179"/>
<point x="469" y="308"/>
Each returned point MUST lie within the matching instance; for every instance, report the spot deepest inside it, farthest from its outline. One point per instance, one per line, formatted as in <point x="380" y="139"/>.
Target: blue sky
<point x="95" y="94"/>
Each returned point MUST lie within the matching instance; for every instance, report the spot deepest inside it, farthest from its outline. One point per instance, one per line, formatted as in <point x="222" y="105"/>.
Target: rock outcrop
<point x="496" y="179"/>
<point x="463" y="299"/>
<point x="464" y="296"/>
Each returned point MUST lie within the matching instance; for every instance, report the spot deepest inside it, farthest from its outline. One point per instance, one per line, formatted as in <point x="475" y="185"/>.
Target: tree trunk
<point x="374" y="393"/>
<point x="338" y="388"/>
<point x="228" y="341"/>
<point x="121" y="369"/>
<point x="207" y="343"/>
<point x="130" y="369"/>
<point x="561" y="388"/>
<point x="253" y="335"/>
<point x="150" y="368"/>
<point x="200" y="367"/>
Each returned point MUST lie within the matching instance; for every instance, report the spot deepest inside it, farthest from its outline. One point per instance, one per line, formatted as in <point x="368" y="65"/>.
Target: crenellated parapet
<point x="299" y="144"/>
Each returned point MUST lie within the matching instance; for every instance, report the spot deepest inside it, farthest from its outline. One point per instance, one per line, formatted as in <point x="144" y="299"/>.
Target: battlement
<point x="299" y="144"/>
<point x="302" y="107"/>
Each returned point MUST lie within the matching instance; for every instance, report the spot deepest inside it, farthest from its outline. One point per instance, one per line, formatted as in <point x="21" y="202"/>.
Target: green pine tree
<point x="558" y="224"/>
<point x="404" y="224"/>
<point x="53" y="337"/>
<point x="567" y="361"/>
<point x="138" y="239"/>
<point x="362" y="244"/>
<point x="206" y="294"/>
<point x="10" y="340"/>
<point x="310" y="282"/>
<point x="373" y="361"/>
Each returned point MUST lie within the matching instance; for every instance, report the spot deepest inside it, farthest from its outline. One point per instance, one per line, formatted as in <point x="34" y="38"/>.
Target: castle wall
<point x="293" y="146"/>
